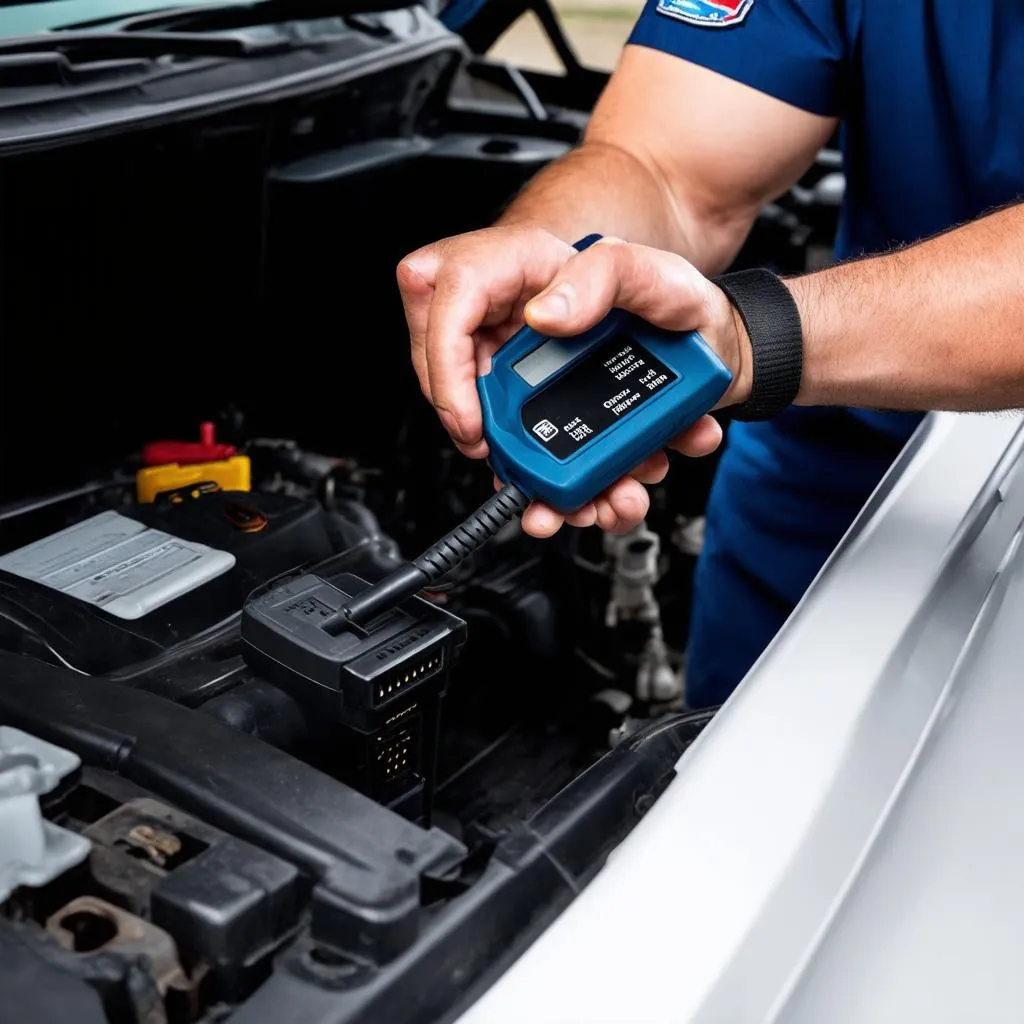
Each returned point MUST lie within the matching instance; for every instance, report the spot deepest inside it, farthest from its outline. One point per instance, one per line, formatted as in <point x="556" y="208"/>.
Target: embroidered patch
<point x="709" y="13"/>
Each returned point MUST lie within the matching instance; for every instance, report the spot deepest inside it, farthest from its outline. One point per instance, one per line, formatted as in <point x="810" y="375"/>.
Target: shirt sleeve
<point x="794" y="50"/>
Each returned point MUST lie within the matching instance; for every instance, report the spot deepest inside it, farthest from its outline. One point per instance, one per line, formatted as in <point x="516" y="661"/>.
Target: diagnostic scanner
<point x="564" y="418"/>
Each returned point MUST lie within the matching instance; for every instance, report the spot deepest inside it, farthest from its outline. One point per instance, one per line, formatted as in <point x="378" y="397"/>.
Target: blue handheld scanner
<point x="564" y="418"/>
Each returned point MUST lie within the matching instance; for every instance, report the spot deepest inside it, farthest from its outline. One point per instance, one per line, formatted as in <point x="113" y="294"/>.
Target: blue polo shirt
<point x="931" y="97"/>
<point x="931" y="93"/>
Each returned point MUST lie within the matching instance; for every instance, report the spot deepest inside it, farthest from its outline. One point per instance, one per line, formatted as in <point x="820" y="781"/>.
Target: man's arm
<point x="676" y="157"/>
<point x="939" y="325"/>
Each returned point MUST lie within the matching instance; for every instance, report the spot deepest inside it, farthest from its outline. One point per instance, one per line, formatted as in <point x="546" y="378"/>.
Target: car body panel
<point x="804" y="865"/>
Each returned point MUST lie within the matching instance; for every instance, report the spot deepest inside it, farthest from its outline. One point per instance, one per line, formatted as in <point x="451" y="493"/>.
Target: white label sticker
<point x="120" y="565"/>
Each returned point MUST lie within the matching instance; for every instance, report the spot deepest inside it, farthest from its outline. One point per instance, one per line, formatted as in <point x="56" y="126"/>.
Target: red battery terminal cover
<point x="185" y="453"/>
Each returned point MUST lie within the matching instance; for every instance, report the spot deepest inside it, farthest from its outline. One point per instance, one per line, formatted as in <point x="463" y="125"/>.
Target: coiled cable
<point x="440" y="558"/>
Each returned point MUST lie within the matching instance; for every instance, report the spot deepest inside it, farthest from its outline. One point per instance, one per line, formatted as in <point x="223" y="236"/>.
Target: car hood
<point x="843" y="842"/>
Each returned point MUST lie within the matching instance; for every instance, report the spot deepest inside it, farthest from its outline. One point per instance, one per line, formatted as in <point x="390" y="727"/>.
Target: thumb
<point x="658" y="286"/>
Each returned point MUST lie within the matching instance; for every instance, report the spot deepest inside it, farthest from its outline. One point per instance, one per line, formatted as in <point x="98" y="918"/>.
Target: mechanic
<point x="715" y="109"/>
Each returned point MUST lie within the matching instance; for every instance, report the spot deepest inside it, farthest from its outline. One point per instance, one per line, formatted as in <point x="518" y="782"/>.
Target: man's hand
<point x="463" y="297"/>
<point x="660" y="287"/>
<point x="466" y="295"/>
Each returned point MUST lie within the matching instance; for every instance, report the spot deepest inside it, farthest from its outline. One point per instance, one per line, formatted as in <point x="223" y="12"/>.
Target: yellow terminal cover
<point x="231" y="474"/>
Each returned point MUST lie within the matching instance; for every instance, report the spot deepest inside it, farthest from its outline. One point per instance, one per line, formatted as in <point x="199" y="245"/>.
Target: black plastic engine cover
<point x="364" y="863"/>
<point x="295" y="534"/>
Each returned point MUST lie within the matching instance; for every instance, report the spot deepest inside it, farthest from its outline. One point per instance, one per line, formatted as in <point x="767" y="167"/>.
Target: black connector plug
<point x="382" y="681"/>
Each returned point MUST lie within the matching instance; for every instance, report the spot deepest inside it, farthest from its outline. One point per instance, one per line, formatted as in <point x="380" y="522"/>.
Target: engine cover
<point x="113" y="595"/>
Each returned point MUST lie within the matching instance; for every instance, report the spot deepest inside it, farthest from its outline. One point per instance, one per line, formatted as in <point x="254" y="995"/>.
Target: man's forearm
<point x="602" y="188"/>
<point x="939" y="325"/>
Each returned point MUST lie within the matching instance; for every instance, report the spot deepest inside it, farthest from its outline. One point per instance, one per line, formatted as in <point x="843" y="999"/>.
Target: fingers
<point x="700" y="440"/>
<point x="623" y="506"/>
<point x="416" y="275"/>
<point x="619" y="509"/>
<point x="541" y="521"/>
<point x="472" y="279"/>
<point x="652" y="470"/>
<point x="584" y="517"/>
<point x="626" y="503"/>
<point x="660" y="287"/>
<point x="458" y="309"/>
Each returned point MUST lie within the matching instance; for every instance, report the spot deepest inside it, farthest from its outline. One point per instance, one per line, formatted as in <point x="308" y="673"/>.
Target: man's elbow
<point x="714" y="224"/>
<point x="701" y="224"/>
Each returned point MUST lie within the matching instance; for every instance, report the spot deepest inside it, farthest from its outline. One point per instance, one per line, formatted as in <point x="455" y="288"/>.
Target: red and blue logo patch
<point x="709" y="13"/>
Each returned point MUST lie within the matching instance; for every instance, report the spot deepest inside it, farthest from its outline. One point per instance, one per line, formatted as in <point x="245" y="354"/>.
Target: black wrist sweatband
<point x="773" y="325"/>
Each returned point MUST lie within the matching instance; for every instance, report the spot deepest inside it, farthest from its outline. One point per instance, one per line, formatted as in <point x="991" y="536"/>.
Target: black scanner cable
<point x="440" y="558"/>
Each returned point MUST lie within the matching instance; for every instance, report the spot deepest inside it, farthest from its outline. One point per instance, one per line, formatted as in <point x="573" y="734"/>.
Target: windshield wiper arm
<point x="213" y="17"/>
<point x="85" y="46"/>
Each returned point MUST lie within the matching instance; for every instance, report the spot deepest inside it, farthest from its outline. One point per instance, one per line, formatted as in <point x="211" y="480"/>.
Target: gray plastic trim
<point x="33" y="851"/>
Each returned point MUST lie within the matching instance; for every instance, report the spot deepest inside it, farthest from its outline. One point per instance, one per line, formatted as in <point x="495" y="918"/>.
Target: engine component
<point x="382" y="681"/>
<point x="85" y="596"/>
<point x="635" y="560"/>
<point x="688" y="535"/>
<point x="118" y="564"/>
<point x="229" y="905"/>
<point x="656" y="680"/>
<point x="226" y="902"/>
<point x="233" y="474"/>
<point x="287" y="467"/>
<point x="33" y="851"/>
<point x="333" y="902"/>
<point x="611" y="708"/>
<point x="634" y="557"/>
<point x="206" y="449"/>
<point x="363" y="863"/>
<point x="90" y="925"/>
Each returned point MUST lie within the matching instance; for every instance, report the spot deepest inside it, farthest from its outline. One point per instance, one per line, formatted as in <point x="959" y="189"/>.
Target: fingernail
<point x="554" y="305"/>
<point x="407" y="265"/>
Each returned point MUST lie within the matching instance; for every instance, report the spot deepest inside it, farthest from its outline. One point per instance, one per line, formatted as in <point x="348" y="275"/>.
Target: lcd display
<point x="548" y="358"/>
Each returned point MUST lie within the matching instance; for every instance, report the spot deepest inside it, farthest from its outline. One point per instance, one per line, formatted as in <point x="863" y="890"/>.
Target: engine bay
<point x="209" y="421"/>
<point x="235" y="824"/>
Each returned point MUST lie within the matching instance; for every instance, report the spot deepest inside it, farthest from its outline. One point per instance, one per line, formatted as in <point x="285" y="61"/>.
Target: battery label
<point x="594" y="395"/>
<point x="118" y="564"/>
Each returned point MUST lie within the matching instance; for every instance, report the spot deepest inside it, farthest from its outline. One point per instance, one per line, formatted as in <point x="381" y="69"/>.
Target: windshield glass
<point x="28" y="19"/>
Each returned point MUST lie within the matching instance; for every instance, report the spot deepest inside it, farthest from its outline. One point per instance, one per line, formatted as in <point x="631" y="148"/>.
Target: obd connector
<point x="382" y="681"/>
